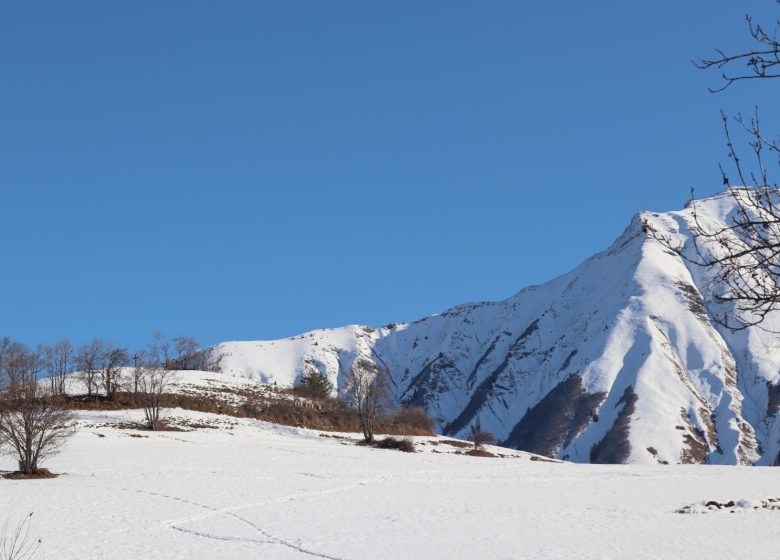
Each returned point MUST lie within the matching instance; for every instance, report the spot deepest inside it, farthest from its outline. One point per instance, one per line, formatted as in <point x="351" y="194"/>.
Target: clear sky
<point x="251" y="170"/>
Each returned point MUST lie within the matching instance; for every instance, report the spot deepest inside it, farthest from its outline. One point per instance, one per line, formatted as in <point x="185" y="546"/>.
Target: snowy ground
<point x="246" y="489"/>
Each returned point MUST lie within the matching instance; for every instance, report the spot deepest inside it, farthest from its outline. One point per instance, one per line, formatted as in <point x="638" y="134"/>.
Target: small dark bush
<point x="406" y="445"/>
<point x="480" y="437"/>
<point x="479" y="453"/>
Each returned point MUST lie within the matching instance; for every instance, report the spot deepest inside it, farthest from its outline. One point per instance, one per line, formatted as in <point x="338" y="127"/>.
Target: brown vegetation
<point x="480" y="437"/>
<point x="41" y="473"/>
<point x="329" y="415"/>
<point x="406" y="445"/>
<point x="479" y="453"/>
<point x="456" y="443"/>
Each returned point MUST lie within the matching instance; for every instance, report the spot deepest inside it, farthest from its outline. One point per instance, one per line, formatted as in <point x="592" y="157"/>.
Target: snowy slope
<point x="243" y="489"/>
<point x="617" y="361"/>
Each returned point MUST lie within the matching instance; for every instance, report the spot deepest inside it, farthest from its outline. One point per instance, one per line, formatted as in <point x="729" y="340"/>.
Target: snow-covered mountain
<point x="617" y="361"/>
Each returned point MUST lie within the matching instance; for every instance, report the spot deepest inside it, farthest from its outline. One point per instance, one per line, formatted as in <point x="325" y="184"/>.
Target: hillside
<point x="617" y="361"/>
<point x="234" y="489"/>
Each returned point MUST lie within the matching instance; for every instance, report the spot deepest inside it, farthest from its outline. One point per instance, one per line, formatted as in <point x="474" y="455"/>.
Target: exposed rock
<point x="556" y="420"/>
<point x="615" y="446"/>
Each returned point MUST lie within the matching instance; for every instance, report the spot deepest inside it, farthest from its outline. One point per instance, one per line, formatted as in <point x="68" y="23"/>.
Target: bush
<point x="479" y="437"/>
<point x="406" y="445"/>
<point x="479" y="453"/>
<point x="252" y="407"/>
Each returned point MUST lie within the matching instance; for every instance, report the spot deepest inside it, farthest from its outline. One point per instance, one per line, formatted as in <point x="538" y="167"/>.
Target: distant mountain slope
<point x="617" y="361"/>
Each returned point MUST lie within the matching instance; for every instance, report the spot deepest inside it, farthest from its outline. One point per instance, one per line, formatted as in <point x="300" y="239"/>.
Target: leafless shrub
<point x="16" y="543"/>
<point x="480" y="437"/>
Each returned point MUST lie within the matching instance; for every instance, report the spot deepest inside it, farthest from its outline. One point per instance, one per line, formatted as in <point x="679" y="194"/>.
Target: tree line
<point x="36" y="384"/>
<point x="40" y="386"/>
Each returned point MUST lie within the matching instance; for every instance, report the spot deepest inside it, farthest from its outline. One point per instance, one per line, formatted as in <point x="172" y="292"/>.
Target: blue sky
<point x="247" y="170"/>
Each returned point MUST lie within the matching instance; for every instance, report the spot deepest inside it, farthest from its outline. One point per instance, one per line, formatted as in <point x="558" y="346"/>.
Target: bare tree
<point x="153" y="382"/>
<point x="5" y="345"/>
<point x="183" y="349"/>
<point x="34" y="424"/>
<point x="744" y="254"/>
<point x="17" y="363"/>
<point x="367" y="385"/>
<point x="88" y="361"/>
<point x="57" y="363"/>
<point x="113" y="360"/>
<point x="184" y="353"/>
<point x="205" y="359"/>
<point x="160" y="349"/>
<point x="480" y="437"/>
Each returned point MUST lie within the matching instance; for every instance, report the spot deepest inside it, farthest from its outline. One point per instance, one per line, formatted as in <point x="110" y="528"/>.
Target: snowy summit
<point x="617" y="361"/>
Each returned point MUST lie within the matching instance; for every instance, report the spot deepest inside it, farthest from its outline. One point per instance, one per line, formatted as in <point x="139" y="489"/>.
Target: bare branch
<point x="760" y="62"/>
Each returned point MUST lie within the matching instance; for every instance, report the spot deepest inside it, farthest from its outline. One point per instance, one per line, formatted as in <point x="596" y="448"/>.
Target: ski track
<point x="177" y="525"/>
<point x="214" y="512"/>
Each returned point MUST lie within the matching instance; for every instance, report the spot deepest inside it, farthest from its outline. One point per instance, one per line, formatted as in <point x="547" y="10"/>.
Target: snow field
<point x="247" y="489"/>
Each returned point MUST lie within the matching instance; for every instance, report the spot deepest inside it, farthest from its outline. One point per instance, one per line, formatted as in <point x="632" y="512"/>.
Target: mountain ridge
<point x="617" y="360"/>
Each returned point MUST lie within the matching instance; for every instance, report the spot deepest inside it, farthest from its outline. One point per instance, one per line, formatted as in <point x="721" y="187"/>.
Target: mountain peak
<point x="615" y="361"/>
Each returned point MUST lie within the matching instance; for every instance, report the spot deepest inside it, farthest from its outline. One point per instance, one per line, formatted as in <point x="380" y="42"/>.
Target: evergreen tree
<point x="316" y="384"/>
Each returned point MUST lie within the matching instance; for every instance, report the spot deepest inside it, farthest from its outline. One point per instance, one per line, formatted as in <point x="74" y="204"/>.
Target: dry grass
<point x="456" y="443"/>
<point x="279" y="408"/>
<point x="479" y="453"/>
<point x="406" y="445"/>
<point x="42" y="473"/>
